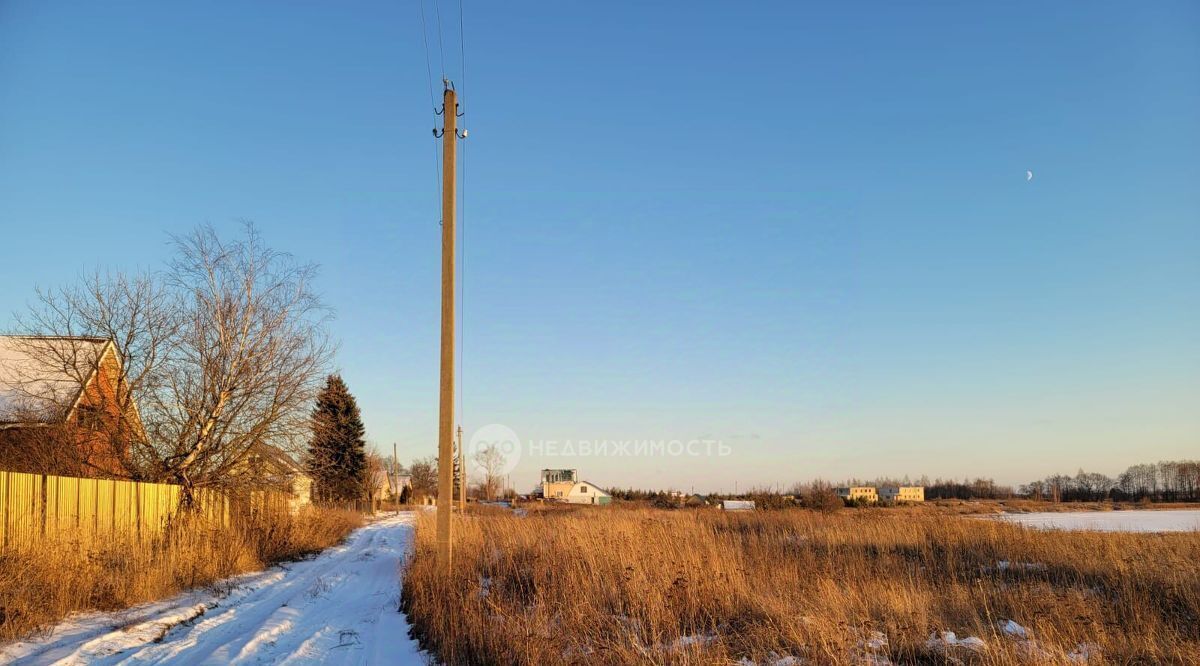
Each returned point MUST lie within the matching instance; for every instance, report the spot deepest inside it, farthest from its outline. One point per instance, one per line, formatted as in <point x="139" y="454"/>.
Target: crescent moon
<point x="1028" y="176"/>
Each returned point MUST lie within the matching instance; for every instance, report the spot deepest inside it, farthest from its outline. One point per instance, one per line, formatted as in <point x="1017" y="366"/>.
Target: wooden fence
<point x="34" y="506"/>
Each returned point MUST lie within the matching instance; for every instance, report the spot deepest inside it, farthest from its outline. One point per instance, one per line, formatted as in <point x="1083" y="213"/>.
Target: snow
<point x="1166" y="520"/>
<point x="946" y="640"/>
<point x="1011" y="628"/>
<point x="1005" y="565"/>
<point x="337" y="608"/>
<point x="40" y="376"/>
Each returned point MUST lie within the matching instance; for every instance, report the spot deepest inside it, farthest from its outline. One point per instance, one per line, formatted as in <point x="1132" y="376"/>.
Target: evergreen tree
<point x="337" y="456"/>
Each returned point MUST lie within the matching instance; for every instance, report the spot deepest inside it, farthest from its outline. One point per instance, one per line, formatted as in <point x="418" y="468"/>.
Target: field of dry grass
<point x="41" y="584"/>
<point x="643" y="586"/>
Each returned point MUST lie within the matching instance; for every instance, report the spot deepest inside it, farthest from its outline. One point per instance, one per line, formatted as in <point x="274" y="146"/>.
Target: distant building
<point x="270" y="467"/>
<point x="856" y="493"/>
<point x="563" y="485"/>
<point x="379" y="485"/>
<point x="557" y="483"/>
<point x="737" y="505"/>
<point x="902" y="493"/>
<point x="586" y="493"/>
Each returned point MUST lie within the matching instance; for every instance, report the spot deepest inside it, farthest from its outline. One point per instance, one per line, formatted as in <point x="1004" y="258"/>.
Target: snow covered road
<point x="338" y="608"/>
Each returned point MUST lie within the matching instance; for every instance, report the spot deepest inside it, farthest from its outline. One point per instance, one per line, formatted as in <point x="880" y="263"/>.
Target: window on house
<point x="583" y="489"/>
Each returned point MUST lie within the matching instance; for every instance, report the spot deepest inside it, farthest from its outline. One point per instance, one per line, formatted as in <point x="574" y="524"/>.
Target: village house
<point x="270" y="468"/>
<point x="563" y="485"/>
<point x="902" y="493"/>
<point x="859" y="493"/>
<point x="383" y="485"/>
<point x="872" y="495"/>
<point x="64" y="406"/>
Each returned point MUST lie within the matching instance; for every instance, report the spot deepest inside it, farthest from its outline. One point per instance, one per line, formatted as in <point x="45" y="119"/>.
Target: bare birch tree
<point x="491" y="460"/>
<point x="222" y="353"/>
<point x="245" y="363"/>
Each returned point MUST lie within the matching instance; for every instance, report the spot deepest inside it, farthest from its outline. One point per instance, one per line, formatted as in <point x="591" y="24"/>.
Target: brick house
<point x="64" y="406"/>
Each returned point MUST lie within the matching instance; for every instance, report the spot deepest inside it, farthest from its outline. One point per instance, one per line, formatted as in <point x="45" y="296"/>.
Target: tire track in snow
<point x="338" y="608"/>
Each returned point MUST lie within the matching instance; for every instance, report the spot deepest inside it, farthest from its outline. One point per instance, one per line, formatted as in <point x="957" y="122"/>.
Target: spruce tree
<point x="337" y="456"/>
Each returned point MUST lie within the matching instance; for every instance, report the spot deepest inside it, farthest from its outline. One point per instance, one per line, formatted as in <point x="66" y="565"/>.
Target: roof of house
<point x="280" y="459"/>
<point x="381" y="480"/>
<point x="42" y="378"/>
<point x="598" y="490"/>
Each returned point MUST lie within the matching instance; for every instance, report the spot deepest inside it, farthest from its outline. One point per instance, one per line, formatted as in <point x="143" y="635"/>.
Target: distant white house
<point x="587" y="493"/>
<point x="737" y="505"/>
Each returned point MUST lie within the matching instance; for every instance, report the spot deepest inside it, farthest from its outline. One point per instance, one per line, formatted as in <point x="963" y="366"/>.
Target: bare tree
<point x="424" y="477"/>
<point x="139" y="317"/>
<point x="246" y="361"/>
<point x="491" y="460"/>
<point x="222" y="353"/>
<point x="378" y="482"/>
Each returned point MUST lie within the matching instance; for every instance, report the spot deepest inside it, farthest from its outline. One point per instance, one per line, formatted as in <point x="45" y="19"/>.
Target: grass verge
<point x="44" y="582"/>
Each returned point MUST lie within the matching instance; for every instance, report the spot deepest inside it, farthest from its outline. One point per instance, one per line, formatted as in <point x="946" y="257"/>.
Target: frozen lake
<point x="1167" y="520"/>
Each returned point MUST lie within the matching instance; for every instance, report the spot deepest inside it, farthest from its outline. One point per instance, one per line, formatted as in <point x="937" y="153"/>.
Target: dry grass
<point x="625" y="586"/>
<point x="39" y="585"/>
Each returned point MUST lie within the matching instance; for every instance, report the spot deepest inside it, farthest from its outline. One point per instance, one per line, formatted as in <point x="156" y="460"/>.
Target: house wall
<point x="586" y="493"/>
<point x="903" y="494"/>
<point x="100" y="430"/>
<point x="858" y="492"/>
<point x="301" y="492"/>
<point x="557" y="490"/>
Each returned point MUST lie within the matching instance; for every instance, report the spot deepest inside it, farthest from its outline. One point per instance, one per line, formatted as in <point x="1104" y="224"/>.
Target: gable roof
<point x="598" y="490"/>
<point x="42" y="378"/>
<point x="280" y="460"/>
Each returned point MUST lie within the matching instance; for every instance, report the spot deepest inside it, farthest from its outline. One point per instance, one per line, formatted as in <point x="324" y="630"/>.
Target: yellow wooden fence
<point x="34" y="506"/>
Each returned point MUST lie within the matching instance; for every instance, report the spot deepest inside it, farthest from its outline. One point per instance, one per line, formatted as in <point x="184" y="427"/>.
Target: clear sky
<point x="802" y="229"/>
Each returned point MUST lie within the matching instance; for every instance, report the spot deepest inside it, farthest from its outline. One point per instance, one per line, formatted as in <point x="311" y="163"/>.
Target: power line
<point x="437" y="163"/>
<point x="437" y="8"/>
<point x="462" y="218"/>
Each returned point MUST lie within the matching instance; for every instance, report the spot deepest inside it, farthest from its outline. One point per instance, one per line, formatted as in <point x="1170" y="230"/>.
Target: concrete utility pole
<point x="396" y="477"/>
<point x="462" y="474"/>
<point x="445" y="498"/>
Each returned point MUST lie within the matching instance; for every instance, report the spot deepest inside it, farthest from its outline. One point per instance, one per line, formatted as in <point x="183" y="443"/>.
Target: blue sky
<point x="801" y="229"/>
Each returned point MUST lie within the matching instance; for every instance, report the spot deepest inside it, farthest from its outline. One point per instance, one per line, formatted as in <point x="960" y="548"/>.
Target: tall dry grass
<point x="43" y="582"/>
<point x="649" y="586"/>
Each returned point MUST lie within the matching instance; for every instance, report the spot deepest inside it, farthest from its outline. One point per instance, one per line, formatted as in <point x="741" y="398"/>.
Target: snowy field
<point x="1111" y="521"/>
<point x="338" y="608"/>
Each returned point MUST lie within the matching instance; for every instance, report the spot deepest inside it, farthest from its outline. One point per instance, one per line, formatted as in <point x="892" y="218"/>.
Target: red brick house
<point x="64" y="407"/>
